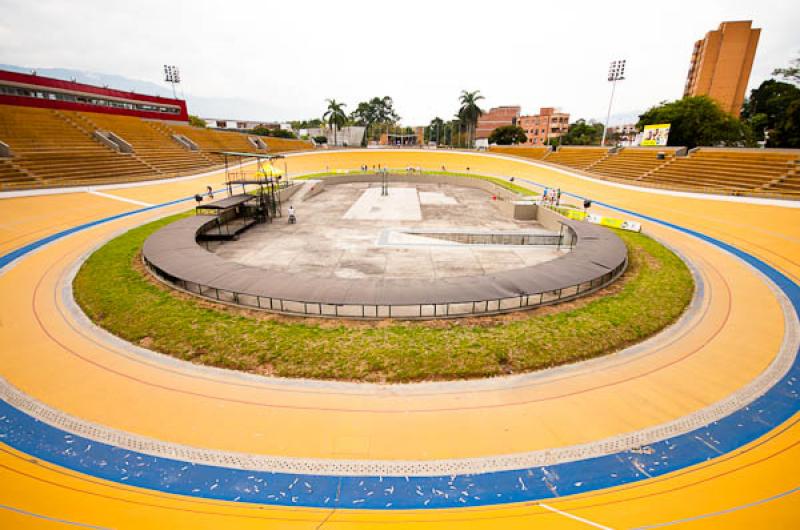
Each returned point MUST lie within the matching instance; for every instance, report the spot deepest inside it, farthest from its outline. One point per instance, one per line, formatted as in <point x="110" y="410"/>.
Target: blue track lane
<point x="28" y="435"/>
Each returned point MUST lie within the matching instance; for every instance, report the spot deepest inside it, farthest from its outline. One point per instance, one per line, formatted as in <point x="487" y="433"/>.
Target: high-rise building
<point x="548" y="124"/>
<point x="494" y="118"/>
<point x="721" y="64"/>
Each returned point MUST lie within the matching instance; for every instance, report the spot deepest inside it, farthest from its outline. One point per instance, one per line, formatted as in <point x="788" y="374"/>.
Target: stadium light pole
<point x="616" y="72"/>
<point x="172" y="76"/>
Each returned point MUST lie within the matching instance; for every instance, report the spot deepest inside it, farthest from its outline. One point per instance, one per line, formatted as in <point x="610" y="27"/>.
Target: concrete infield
<point x="597" y="258"/>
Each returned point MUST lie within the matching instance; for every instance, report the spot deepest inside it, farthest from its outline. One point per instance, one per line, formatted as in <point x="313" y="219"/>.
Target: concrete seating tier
<point x="537" y="153"/>
<point x="12" y="177"/>
<point x="58" y="148"/>
<point x="743" y="172"/>
<point x="211" y="140"/>
<point x="29" y="130"/>
<point x="577" y="157"/>
<point x="790" y="186"/>
<point x="152" y="144"/>
<point x="51" y="147"/>
<point x="283" y="145"/>
<point x="632" y="162"/>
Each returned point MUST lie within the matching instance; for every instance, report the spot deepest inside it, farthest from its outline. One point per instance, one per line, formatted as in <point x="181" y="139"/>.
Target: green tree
<point x="434" y="132"/>
<point x="767" y="104"/>
<point x="261" y="130"/>
<point x="508" y="135"/>
<point x="791" y="72"/>
<point x="376" y="111"/>
<point x="469" y="112"/>
<point x="306" y="124"/>
<point x="787" y="130"/>
<point x="697" y="121"/>
<point x="196" y="121"/>
<point x="335" y="116"/>
<point x="283" y="133"/>
<point x="581" y="133"/>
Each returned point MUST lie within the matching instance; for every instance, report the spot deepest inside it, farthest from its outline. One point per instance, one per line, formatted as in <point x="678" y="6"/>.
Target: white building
<point x="242" y="125"/>
<point x="345" y="137"/>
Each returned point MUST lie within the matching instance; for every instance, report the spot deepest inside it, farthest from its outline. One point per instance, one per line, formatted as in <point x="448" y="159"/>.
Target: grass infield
<point x="117" y="293"/>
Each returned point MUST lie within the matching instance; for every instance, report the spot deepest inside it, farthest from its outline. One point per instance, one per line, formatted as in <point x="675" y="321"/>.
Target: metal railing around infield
<point x="461" y="308"/>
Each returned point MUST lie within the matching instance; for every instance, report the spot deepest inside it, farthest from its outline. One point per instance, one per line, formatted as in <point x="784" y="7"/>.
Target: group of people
<point x="551" y="196"/>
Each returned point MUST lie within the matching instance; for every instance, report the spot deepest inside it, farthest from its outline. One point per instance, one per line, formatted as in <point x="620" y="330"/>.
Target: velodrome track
<point x="658" y="398"/>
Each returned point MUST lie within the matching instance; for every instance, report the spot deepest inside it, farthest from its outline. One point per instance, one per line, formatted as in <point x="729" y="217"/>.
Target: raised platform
<point x="597" y="258"/>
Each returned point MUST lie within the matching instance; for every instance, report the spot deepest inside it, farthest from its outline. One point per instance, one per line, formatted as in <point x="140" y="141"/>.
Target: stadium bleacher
<point x="52" y="148"/>
<point x="536" y="153"/>
<point x="730" y="171"/>
<point x="633" y="162"/>
<point x="577" y="157"/>
<point x="10" y="173"/>
<point x="153" y="145"/>
<point x="210" y="140"/>
<point x="57" y="152"/>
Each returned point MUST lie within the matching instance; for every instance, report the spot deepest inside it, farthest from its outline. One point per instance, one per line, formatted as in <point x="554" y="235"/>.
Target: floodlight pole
<point x="616" y="72"/>
<point x="608" y="114"/>
<point x="172" y="76"/>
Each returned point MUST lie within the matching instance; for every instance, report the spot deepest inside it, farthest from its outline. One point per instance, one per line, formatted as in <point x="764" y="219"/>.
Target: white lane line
<point x="722" y="512"/>
<point x="118" y="198"/>
<point x="51" y="519"/>
<point x="574" y="517"/>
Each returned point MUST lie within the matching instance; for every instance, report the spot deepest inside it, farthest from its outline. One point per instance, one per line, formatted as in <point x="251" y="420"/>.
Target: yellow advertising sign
<point x="655" y="134"/>
<point x="580" y="215"/>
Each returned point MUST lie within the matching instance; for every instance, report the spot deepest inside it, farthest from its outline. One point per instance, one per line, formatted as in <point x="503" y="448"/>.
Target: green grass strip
<point x="117" y="295"/>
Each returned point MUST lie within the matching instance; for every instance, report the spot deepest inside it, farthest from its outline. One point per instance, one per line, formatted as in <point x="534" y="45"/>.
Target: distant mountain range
<point x="228" y="108"/>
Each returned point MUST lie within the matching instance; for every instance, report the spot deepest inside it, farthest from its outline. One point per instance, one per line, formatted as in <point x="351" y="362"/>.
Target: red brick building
<point x="494" y="118"/>
<point x="540" y="128"/>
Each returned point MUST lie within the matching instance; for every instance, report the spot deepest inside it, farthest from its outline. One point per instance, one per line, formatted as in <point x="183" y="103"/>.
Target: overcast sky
<point x="288" y="57"/>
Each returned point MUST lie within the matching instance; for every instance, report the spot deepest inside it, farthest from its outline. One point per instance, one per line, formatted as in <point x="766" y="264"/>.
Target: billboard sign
<point x="580" y="215"/>
<point x="655" y="134"/>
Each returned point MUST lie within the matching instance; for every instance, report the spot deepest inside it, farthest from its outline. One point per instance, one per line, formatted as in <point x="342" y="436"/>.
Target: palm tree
<point x="470" y="111"/>
<point x="335" y="116"/>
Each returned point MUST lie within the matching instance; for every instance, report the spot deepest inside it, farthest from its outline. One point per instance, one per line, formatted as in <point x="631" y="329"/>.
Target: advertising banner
<point x="580" y="215"/>
<point x="633" y="226"/>
<point x="655" y="134"/>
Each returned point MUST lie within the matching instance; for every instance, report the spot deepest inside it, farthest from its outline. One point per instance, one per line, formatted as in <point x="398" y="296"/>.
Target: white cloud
<point x="290" y="56"/>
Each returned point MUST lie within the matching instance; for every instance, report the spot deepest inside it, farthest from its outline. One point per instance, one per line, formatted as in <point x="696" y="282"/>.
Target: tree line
<point x="378" y="116"/>
<point x="770" y="116"/>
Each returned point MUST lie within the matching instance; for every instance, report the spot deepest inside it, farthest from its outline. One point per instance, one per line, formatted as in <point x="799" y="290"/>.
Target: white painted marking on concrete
<point x="402" y="204"/>
<point x="436" y="198"/>
<point x="118" y="198"/>
<point x="574" y="517"/>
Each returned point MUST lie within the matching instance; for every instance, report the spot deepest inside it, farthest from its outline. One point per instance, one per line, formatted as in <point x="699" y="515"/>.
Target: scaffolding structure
<point x="268" y="181"/>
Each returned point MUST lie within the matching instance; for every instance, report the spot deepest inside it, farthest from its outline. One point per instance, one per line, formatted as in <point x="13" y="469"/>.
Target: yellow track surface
<point x="732" y="338"/>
